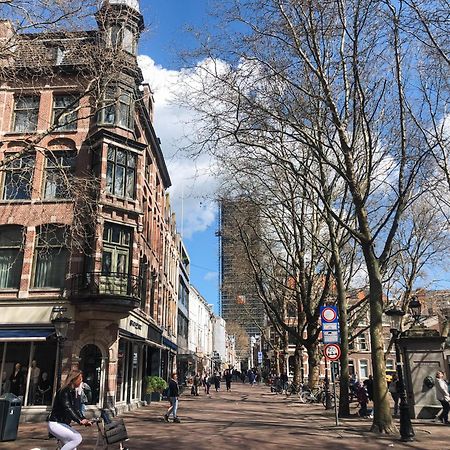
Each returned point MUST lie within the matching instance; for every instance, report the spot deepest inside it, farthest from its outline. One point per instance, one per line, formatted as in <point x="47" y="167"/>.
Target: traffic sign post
<point x="331" y="350"/>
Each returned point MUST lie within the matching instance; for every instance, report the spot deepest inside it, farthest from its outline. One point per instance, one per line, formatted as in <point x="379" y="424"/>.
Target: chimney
<point x="7" y="41"/>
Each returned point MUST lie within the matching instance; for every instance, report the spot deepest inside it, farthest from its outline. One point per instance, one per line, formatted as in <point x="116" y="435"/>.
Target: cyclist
<point x="64" y="411"/>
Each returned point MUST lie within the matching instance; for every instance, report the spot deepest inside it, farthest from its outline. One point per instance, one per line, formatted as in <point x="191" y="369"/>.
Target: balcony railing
<point x="100" y="284"/>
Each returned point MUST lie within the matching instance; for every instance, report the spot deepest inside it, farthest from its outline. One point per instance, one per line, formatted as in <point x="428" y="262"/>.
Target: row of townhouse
<point x="87" y="234"/>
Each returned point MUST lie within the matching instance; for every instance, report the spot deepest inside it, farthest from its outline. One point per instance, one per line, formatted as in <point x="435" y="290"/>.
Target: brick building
<point x="86" y="229"/>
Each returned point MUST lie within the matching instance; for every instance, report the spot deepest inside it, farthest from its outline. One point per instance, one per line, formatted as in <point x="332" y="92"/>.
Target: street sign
<point x="332" y="352"/>
<point x="330" y="337"/>
<point x="329" y="314"/>
<point x="260" y="357"/>
<point x="330" y="325"/>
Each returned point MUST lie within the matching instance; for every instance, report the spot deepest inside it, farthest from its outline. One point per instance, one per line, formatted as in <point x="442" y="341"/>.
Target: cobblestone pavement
<point x="246" y="418"/>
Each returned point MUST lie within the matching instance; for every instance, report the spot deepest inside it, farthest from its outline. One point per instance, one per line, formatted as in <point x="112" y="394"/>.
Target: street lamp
<point x="61" y="325"/>
<point x="406" y="429"/>
<point x="415" y="309"/>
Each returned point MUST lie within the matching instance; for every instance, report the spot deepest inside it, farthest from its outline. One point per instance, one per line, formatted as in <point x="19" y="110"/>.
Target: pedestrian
<point x="173" y="393"/>
<point x="83" y="396"/>
<point x="443" y="396"/>
<point x="243" y="376"/>
<point x="17" y="380"/>
<point x="363" y="399"/>
<point x="369" y="387"/>
<point x="393" y="389"/>
<point x="284" y="381"/>
<point x="217" y="382"/>
<point x="207" y="383"/>
<point x="196" y="384"/>
<point x="228" y="378"/>
<point x="251" y="377"/>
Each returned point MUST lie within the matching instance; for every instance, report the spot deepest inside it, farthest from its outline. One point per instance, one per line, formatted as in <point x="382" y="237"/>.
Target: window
<point x="117" y="107"/>
<point x="116" y="249"/>
<point x="363" y="369"/>
<point x="390" y="364"/>
<point x="33" y="364"/>
<point x="122" y="38"/>
<point x="65" y="112"/>
<point x="351" y="367"/>
<point x="26" y="111"/>
<point x="58" y="173"/>
<point x="362" y="342"/>
<point x="121" y="173"/>
<point x="50" y="257"/>
<point x="11" y="256"/>
<point x="18" y="178"/>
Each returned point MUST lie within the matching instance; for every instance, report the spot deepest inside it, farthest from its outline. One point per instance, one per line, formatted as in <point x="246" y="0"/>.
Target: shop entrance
<point x="91" y="366"/>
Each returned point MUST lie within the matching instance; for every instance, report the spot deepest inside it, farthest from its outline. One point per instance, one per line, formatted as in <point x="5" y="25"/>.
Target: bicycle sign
<point x="332" y="352"/>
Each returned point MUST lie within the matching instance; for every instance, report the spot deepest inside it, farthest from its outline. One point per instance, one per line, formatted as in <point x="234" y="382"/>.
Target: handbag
<point x="115" y="431"/>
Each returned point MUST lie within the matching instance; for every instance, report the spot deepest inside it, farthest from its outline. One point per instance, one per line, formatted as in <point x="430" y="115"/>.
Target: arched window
<point x="51" y="255"/>
<point x="11" y="256"/>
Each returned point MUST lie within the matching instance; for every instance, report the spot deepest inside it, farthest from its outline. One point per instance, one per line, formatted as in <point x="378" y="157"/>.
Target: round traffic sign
<point x="329" y="314"/>
<point x="332" y="352"/>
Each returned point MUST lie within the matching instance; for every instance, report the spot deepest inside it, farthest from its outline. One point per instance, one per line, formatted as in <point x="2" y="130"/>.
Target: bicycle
<point x="107" y="434"/>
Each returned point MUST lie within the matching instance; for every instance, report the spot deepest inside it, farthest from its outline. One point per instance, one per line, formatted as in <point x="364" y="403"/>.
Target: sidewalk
<point x="248" y="418"/>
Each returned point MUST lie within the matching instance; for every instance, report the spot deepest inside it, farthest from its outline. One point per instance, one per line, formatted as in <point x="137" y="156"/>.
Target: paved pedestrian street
<point x="246" y="418"/>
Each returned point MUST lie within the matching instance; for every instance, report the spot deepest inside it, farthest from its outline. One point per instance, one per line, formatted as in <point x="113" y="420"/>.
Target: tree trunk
<point x="297" y="365"/>
<point x="313" y="364"/>
<point x="382" y="417"/>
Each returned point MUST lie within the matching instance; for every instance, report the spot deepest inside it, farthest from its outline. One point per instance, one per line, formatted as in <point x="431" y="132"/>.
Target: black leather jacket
<point x="64" y="409"/>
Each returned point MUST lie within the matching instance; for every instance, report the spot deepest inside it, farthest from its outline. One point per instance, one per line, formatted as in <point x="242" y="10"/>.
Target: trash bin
<point x="10" y="407"/>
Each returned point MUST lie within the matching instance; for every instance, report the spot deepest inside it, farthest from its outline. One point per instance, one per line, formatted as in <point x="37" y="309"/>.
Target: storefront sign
<point x="134" y="326"/>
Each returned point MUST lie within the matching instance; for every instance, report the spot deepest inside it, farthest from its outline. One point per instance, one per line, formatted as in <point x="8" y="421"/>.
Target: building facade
<point x="86" y="231"/>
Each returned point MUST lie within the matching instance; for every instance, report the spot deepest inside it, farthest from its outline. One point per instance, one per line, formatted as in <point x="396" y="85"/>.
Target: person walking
<point x="197" y="382"/>
<point x="442" y="395"/>
<point x="228" y="378"/>
<point x="217" y="382"/>
<point x="393" y="389"/>
<point x="173" y="394"/>
<point x="207" y="383"/>
<point x="64" y="411"/>
<point x="363" y="399"/>
<point x="369" y="387"/>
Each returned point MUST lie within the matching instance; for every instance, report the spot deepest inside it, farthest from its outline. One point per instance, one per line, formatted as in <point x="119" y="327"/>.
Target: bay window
<point x="121" y="173"/>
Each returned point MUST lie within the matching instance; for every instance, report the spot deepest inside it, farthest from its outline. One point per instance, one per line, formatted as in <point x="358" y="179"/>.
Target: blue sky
<point x="192" y="187"/>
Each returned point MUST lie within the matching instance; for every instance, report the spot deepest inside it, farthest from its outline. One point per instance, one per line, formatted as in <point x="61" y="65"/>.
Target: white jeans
<point x="66" y="434"/>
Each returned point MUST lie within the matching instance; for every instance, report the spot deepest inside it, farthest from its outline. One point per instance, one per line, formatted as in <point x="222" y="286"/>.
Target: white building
<point x="200" y="341"/>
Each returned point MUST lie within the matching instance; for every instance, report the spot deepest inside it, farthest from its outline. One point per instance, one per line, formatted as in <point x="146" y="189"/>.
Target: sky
<point x="192" y="185"/>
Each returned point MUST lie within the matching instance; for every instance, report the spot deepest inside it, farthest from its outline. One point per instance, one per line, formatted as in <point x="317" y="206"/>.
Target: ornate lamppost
<point x="406" y="430"/>
<point x="61" y="325"/>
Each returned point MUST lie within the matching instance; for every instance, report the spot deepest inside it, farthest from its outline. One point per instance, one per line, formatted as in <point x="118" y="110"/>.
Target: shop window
<point x="33" y="361"/>
<point x="120" y="370"/>
<point x="18" y="178"/>
<point x="363" y="369"/>
<point x="11" y="256"/>
<point x="117" y="107"/>
<point x="26" y="112"/>
<point x="121" y="173"/>
<point x="51" y="257"/>
<point x="91" y="366"/>
<point x="65" y="112"/>
<point x="60" y="166"/>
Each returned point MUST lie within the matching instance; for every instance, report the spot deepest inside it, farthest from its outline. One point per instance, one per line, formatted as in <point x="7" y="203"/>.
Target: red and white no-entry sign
<point x="329" y="314"/>
<point x="332" y="352"/>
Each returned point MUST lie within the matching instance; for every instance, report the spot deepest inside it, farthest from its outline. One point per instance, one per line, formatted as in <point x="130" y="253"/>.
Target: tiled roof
<point x="54" y="49"/>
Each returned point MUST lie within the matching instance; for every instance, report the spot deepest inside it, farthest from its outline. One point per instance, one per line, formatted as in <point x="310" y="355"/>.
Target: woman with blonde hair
<point x="64" y="412"/>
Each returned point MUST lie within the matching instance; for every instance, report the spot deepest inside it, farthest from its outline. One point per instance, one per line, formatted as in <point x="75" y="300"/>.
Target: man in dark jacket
<point x="173" y="394"/>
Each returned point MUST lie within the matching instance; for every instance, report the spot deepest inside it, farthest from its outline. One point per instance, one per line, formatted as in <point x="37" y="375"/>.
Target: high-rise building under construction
<point x="239" y="245"/>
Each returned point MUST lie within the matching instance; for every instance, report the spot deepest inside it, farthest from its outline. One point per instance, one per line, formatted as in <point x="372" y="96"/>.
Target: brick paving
<point x="247" y="419"/>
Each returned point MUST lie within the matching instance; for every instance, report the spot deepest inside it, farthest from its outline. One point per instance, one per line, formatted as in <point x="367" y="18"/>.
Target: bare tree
<point x="333" y="77"/>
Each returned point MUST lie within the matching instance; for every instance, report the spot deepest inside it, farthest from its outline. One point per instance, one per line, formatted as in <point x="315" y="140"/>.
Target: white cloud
<point x="211" y="276"/>
<point x="193" y="184"/>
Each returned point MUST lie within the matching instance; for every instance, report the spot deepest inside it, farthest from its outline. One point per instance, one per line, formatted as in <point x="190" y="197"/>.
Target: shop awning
<point x="25" y="334"/>
<point x="132" y="337"/>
